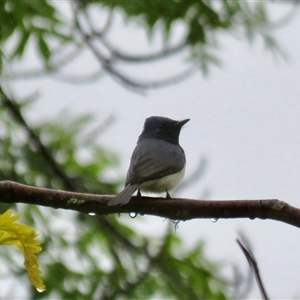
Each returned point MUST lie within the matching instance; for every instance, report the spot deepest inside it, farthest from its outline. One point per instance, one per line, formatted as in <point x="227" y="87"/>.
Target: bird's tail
<point x="124" y="196"/>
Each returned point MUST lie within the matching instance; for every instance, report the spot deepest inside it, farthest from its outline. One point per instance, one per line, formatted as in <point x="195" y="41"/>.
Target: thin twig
<point x="253" y="264"/>
<point x="144" y="58"/>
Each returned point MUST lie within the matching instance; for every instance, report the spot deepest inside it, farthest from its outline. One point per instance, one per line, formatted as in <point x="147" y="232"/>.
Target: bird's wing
<point x="154" y="159"/>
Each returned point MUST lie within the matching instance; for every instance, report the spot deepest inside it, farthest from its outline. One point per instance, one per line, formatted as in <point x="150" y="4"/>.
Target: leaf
<point x="196" y="33"/>
<point x="23" y="237"/>
<point x="19" y="49"/>
<point x="43" y="48"/>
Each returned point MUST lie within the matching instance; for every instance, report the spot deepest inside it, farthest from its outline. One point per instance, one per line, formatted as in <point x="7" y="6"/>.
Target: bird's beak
<point x="181" y="123"/>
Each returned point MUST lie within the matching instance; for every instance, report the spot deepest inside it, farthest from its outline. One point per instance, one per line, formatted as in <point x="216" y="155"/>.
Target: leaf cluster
<point x="37" y="20"/>
<point x="203" y="21"/>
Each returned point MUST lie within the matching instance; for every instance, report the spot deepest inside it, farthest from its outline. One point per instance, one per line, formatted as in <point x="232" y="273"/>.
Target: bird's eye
<point x="160" y="126"/>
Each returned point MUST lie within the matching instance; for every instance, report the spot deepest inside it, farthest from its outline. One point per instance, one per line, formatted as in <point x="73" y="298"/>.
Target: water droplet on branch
<point x="133" y="215"/>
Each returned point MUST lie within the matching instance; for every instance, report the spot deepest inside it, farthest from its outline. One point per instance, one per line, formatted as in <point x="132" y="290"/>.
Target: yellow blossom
<point x="23" y="237"/>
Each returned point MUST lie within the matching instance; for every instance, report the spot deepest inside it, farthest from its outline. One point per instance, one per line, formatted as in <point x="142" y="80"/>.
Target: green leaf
<point x="22" y="43"/>
<point x="196" y="33"/>
<point x="43" y="48"/>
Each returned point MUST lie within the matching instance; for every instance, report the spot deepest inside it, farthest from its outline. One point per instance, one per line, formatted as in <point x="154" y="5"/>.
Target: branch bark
<point x="175" y="209"/>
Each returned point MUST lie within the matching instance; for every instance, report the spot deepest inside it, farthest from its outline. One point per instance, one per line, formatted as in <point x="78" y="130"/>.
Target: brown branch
<point x="253" y="264"/>
<point x="175" y="209"/>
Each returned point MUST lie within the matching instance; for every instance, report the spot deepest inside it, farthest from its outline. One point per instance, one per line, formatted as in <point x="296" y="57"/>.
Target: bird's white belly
<point x="163" y="184"/>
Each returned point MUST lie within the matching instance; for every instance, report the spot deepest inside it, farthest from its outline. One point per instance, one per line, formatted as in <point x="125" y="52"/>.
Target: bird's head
<point x="162" y="128"/>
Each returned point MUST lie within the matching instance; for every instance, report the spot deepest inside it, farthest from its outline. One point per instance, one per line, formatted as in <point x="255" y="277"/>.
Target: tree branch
<point x="144" y="58"/>
<point x="253" y="264"/>
<point x="175" y="209"/>
<point x="15" y="112"/>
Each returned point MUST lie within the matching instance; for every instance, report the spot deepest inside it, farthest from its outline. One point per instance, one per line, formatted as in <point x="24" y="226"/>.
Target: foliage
<point x="87" y="257"/>
<point x="55" y="31"/>
<point x="93" y="257"/>
<point x="28" y="19"/>
<point x="23" y="237"/>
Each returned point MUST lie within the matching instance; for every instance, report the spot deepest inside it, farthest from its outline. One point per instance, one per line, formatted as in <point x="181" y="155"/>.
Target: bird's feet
<point x="139" y="193"/>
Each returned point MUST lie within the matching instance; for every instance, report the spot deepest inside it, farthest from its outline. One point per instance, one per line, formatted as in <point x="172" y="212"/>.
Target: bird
<point x="157" y="163"/>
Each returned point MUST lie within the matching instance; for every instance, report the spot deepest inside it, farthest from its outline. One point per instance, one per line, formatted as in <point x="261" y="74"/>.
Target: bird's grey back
<point x="154" y="159"/>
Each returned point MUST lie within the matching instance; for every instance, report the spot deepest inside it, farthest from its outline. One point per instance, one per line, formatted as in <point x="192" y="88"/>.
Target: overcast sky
<point x="245" y="120"/>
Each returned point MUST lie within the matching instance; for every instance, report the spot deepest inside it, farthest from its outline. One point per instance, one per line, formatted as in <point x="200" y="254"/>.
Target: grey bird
<point x="157" y="162"/>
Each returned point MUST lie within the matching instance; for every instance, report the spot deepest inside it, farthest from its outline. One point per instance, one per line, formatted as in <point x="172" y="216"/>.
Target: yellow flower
<point x="23" y="237"/>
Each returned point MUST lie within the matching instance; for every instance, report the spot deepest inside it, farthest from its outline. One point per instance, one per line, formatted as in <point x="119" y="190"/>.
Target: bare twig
<point x="135" y="84"/>
<point x="243" y="284"/>
<point x="144" y="58"/>
<point x="253" y="264"/>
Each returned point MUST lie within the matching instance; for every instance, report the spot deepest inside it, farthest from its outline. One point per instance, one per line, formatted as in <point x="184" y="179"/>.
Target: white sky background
<point x="244" y="120"/>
